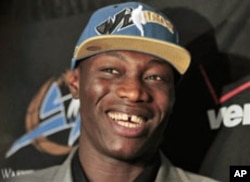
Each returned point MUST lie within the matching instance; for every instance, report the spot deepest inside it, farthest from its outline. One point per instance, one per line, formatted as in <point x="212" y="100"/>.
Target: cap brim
<point x="176" y="55"/>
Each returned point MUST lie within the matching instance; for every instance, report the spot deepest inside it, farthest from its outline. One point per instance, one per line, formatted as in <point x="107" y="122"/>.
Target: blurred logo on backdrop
<point x="50" y="112"/>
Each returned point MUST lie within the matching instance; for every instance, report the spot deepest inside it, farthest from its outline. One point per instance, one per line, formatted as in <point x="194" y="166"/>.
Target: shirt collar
<point x="77" y="171"/>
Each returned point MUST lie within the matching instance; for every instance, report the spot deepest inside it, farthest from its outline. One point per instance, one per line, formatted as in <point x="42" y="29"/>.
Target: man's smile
<point x="127" y="120"/>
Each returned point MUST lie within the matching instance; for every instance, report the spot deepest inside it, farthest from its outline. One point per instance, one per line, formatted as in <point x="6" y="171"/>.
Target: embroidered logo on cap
<point x="120" y="21"/>
<point x="138" y="19"/>
<point x="129" y="17"/>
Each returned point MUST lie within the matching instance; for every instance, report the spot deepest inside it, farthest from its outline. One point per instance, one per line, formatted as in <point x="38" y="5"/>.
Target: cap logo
<point x="138" y="18"/>
<point x="151" y="16"/>
<point x="129" y="17"/>
<point x="119" y="22"/>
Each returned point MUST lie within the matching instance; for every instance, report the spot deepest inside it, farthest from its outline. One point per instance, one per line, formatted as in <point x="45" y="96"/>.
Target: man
<point x="124" y="70"/>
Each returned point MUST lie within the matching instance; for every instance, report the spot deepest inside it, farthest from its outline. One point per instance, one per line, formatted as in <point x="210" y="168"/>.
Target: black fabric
<point x="150" y="172"/>
<point x="77" y="171"/>
<point x="231" y="146"/>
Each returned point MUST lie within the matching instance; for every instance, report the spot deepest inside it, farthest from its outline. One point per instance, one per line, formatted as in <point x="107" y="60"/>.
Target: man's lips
<point x="127" y="120"/>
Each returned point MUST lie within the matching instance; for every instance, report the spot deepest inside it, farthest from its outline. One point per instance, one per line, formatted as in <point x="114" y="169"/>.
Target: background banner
<point x="39" y="121"/>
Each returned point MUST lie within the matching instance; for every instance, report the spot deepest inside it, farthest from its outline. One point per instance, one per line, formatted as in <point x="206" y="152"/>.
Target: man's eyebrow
<point x="115" y="54"/>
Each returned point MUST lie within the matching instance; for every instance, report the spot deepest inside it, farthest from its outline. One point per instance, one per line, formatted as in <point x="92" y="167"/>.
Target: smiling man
<point x="125" y="99"/>
<point x="124" y="70"/>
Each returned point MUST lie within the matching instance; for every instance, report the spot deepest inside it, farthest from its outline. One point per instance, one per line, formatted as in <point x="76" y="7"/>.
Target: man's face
<point x="125" y="100"/>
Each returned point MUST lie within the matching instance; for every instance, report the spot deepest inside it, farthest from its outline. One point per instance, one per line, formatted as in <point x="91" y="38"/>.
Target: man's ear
<point x="72" y="80"/>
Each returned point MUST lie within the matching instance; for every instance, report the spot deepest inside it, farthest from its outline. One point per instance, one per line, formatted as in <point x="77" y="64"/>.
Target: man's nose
<point x="133" y="90"/>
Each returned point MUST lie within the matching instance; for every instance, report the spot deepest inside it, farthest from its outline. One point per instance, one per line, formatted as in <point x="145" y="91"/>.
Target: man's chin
<point x="131" y="155"/>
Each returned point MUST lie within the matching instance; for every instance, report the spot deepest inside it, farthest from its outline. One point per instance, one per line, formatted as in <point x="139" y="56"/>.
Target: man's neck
<point x="102" y="168"/>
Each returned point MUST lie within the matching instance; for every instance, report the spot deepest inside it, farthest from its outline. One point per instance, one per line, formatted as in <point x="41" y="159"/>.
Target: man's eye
<point x="110" y="70"/>
<point x="160" y="78"/>
<point x="154" y="77"/>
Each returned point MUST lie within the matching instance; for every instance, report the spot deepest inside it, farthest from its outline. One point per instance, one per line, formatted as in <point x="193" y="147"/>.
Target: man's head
<point x="125" y="99"/>
<point x="125" y="79"/>
<point x="132" y="26"/>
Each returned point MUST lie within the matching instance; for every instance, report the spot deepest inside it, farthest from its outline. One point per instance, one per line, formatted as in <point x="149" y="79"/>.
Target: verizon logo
<point x="230" y="116"/>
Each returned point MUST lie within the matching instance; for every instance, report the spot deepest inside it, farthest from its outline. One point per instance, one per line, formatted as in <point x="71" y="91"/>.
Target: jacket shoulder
<point x="192" y="177"/>
<point x="169" y="172"/>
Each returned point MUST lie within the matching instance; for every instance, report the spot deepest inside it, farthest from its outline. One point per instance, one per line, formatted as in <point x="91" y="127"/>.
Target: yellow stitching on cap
<point x="154" y="17"/>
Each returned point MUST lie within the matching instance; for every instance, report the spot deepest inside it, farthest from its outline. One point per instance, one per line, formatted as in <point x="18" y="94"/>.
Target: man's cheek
<point x="101" y="87"/>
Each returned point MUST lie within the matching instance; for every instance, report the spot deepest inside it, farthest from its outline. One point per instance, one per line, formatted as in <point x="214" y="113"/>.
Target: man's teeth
<point x="122" y="119"/>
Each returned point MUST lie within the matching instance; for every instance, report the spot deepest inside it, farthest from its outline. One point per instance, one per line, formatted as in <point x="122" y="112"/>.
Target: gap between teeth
<point x="120" y="117"/>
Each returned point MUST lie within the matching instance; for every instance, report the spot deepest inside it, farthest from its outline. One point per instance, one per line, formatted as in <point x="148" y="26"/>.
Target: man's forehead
<point x="122" y="54"/>
<point x="152" y="59"/>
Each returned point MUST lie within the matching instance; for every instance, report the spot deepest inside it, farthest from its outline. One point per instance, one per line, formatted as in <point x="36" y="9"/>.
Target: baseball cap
<point x="132" y="26"/>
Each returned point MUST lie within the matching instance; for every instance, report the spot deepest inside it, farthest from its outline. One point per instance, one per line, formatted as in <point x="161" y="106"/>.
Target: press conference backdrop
<point x="209" y="130"/>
